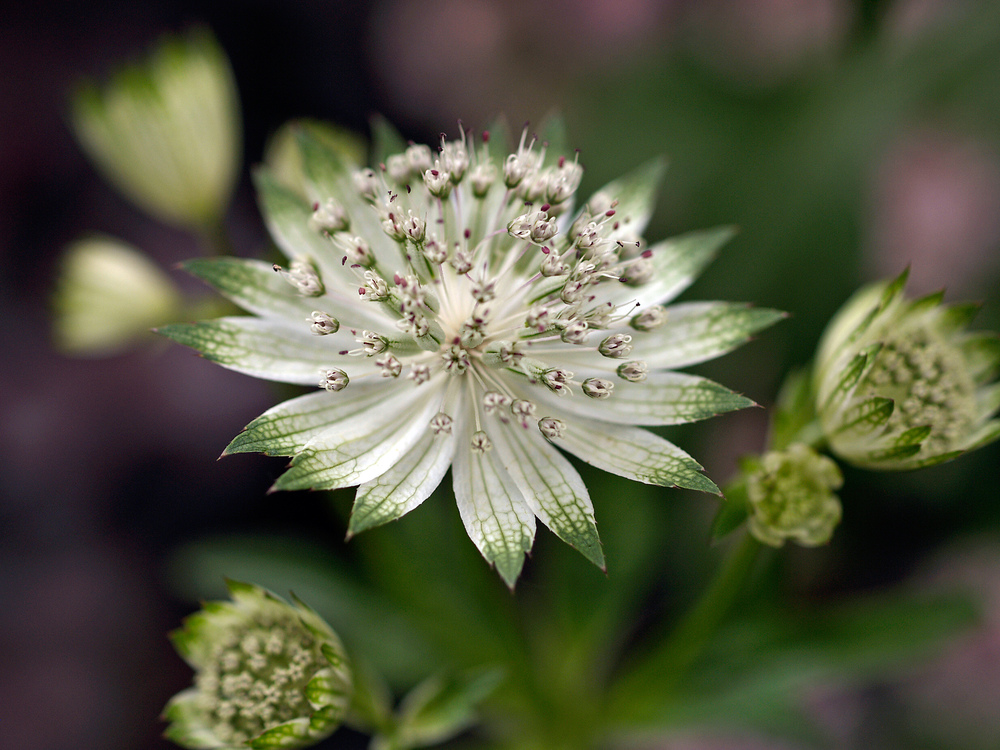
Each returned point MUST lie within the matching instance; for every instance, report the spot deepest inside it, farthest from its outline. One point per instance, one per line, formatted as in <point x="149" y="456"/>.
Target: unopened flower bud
<point x="792" y="497"/>
<point x="267" y="674"/>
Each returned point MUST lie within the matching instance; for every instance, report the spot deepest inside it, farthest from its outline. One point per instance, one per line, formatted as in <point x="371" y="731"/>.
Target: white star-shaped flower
<point x="463" y="314"/>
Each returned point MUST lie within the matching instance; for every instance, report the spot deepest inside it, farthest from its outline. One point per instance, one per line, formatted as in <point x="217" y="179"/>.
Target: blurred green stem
<point x="689" y="638"/>
<point x="668" y="664"/>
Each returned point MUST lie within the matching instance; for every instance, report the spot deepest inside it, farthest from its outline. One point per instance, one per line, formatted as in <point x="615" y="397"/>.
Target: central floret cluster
<point x="459" y="311"/>
<point x="483" y="280"/>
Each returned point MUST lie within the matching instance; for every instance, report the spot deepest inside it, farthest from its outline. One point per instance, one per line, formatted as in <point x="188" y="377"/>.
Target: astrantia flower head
<point x="457" y="311"/>
<point x="268" y="674"/>
<point x="900" y="384"/>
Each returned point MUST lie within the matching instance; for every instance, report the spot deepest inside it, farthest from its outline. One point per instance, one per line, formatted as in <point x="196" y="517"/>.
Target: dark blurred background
<point x="846" y="138"/>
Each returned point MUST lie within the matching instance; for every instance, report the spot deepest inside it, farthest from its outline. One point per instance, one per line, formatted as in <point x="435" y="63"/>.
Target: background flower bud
<point x="791" y="495"/>
<point x="267" y="674"/>
<point x="900" y="384"/>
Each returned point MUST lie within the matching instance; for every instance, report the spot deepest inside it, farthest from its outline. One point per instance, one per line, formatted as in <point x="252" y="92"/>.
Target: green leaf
<point x="982" y="355"/>
<point x="794" y="416"/>
<point x="700" y="331"/>
<point x="442" y="706"/>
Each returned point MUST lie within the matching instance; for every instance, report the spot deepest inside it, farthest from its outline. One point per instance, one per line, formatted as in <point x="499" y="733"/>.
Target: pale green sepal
<point x="985" y="435"/>
<point x="495" y="513"/>
<point x="633" y="453"/>
<point x="288" y="217"/>
<point x="677" y="262"/>
<point x="912" y="436"/>
<point x="987" y="401"/>
<point x="329" y="691"/>
<point x="852" y="374"/>
<point x="403" y="487"/>
<point x="981" y="351"/>
<point x="260" y="347"/>
<point x="287" y="428"/>
<point x="955" y="318"/>
<point x="325" y="173"/>
<point x="552" y="135"/>
<point x="283" y="157"/>
<point x="291" y="734"/>
<point x="867" y="415"/>
<point x="700" y="331"/>
<point x="635" y="193"/>
<point x="187" y="727"/>
<point x="896" y="453"/>
<point x="166" y="132"/>
<point x="362" y="448"/>
<point x="108" y="296"/>
<point x="254" y="286"/>
<point x="554" y="490"/>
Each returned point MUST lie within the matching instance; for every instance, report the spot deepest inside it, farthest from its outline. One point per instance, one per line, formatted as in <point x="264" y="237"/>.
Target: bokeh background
<point x="846" y="138"/>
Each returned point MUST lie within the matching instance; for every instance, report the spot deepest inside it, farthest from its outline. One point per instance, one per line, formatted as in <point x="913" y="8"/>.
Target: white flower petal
<point x="664" y="398"/>
<point x="285" y="429"/>
<point x="496" y="515"/>
<point x="700" y="331"/>
<point x="634" y="453"/>
<point x="363" y="447"/>
<point x="405" y="485"/>
<point x="254" y="286"/>
<point x="268" y="348"/>
<point x="552" y="487"/>
<point x="676" y="263"/>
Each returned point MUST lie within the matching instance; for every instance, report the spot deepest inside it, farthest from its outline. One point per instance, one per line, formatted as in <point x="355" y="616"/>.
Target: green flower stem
<point x="668" y="664"/>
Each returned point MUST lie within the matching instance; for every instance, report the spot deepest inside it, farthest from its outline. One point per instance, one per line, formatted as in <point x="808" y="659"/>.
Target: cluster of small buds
<point x="268" y="674"/>
<point x="791" y="496"/>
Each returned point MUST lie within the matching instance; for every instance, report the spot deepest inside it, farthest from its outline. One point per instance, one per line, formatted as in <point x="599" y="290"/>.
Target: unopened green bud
<point x="900" y="384"/>
<point x="107" y="296"/>
<point x="167" y="132"/>
<point x="792" y="497"/>
<point x="268" y="674"/>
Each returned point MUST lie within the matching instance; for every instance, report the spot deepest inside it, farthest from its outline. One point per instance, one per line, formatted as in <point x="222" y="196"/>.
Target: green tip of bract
<point x="166" y="132"/>
<point x="108" y="295"/>
<point x="791" y="496"/>
<point x="268" y="674"/>
<point x="900" y="384"/>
